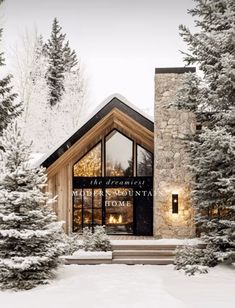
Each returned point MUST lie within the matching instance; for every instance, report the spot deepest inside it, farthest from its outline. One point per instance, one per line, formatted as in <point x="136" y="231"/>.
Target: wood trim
<point x="116" y="119"/>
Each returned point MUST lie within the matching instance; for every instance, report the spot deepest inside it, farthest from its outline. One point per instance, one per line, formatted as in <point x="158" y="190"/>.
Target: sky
<point x="120" y="42"/>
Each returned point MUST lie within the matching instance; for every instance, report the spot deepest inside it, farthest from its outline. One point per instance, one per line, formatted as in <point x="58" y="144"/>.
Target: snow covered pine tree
<point x="61" y="59"/>
<point x="30" y="236"/>
<point x="97" y="241"/>
<point x="212" y="150"/>
<point x="8" y="110"/>
<point x="101" y="240"/>
<point x="47" y="125"/>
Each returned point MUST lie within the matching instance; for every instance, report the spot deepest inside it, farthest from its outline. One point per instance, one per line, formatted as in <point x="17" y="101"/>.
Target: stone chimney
<point x="171" y="176"/>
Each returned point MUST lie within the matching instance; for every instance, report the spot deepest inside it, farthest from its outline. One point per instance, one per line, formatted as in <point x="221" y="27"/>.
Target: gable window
<point x="119" y="155"/>
<point x="90" y="163"/>
<point x="144" y="162"/>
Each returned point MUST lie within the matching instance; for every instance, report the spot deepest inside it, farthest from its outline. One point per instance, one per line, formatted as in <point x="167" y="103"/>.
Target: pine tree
<point x="30" y="236"/>
<point x="213" y="163"/>
<point x="30" y="82"/>
<point x="213" y="49"/>
<point x="194" y="259"/>
<point x="212" y="150"/>
<point x="70" y="58"/>
<point x="97" y="241"/>
<point x="45" y="125"/>
<point x="37" y="113"/>
<point x="87" y="239"/>
<point x="101" y="241"/>
<point x="190" y="94"/>
<point x="73" y="106"/>
<point x="61" y="59"/>
<point x="8" y="109"/>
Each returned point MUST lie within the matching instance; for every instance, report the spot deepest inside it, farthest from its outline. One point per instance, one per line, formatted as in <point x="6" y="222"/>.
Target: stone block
<point x="171" y="158"/>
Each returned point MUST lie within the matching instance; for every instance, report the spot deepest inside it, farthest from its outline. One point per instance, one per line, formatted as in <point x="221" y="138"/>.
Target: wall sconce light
<point x="175" y="203"/>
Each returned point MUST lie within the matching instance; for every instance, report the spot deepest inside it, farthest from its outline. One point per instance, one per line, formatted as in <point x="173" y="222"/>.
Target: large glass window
<point x="87" y="208"/>
<point x="119" y="155"/>
<point x="90" y="164"/>
<point x="144" y="162"/>
<point x="119" y="210"/>
<point x="97" y="202"/>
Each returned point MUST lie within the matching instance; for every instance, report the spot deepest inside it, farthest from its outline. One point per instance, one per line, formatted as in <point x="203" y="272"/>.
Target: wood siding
<point x="60" y="172"/>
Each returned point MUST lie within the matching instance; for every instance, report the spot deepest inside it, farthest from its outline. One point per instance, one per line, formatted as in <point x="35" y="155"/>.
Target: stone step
<point x="163" y="261"/>
<point x="142" y="257"/>
<point x="150" y="253"/>
<point x="132" y="253"/>
<point x="143" y="247"/>
<point x="87" y="261"/>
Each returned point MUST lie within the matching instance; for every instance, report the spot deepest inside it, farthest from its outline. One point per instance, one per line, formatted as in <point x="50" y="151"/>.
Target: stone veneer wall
<point x="170" y="171"/>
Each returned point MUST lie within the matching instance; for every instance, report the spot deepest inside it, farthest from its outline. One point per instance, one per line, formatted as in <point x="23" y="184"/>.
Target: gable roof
<point x="113" y="101"/>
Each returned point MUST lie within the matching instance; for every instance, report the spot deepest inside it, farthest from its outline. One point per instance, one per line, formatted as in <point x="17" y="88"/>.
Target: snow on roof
<point x="125" y="101"/>
<point x="35" y="158"/>
<point x="89" y="116"/>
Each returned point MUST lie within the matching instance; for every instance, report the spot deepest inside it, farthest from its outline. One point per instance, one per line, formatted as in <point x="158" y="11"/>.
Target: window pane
<point x="87" y="218"/>
<point x="77" y="210"/>
<point x="87" y="198"/>
<point x="119" y="156"/>
<point x="97" y="198"/>
<point x="144" y="162"/>
<point x="97" y="216"/>
<point x="77" y="198"/>
<point x="119" y="210"/>
<point x="77" y="220"/>
<point x="90" y="164"/>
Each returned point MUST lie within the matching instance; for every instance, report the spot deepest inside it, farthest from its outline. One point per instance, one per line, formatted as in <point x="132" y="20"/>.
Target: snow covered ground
<point x="122" y="286"/>
<point x="167" y="241"/>
<point x="81" y="254"/>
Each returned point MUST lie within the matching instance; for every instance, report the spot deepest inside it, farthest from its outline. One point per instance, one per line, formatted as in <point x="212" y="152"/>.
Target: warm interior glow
<point x="175" y="205"/>
<point x="90" y="164"/>
<point x="115" y="219"/>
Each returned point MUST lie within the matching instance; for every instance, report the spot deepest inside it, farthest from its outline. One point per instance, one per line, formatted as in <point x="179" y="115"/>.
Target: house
<point x="125" y="170"/>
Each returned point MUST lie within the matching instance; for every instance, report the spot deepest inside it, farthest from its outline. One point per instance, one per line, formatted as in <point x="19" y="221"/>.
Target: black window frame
<point x="136" y="160"/>
<point x="133" y="157"/>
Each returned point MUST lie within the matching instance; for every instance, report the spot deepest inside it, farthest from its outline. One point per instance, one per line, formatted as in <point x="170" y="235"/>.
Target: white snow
<point x="25" y="234"/>
<point x="165" y="241"/>
<point x="81" y="254"/>
<point x="22" y="263"/>
<point x="123" y="286"/>
<point x="35" y="158"/>
<point x="125" y="101"/>
<point x="170" y="241"/>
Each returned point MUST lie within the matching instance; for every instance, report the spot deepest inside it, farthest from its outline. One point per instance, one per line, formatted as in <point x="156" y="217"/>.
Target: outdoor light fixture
<point x="175" y="203"/>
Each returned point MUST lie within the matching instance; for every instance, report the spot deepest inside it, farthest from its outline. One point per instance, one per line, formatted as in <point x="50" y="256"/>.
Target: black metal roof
<point x="113" y="103"/>
<point x="175" y="70"/>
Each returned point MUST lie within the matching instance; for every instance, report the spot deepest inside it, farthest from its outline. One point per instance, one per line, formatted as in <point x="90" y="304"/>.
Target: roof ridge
<point x="94" y="116"/>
